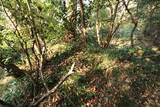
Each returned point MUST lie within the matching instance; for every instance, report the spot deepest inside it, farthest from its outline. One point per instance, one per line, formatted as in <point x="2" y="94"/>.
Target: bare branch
<point x="18" y="35"/>
<point x="56" y="87"/>
<point x="134" y="21"/>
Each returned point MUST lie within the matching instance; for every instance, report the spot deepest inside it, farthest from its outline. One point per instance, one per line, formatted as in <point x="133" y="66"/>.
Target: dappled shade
<point x="71" y="53"/>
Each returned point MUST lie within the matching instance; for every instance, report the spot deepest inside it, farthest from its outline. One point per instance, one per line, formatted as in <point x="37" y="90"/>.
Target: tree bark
<point x="71" y="6"/>
<point x="112" y="25"/>
<point x="39" y="43"/>
<point x="16" y="72"/>
<point x="134" y="21"/>
<point x="83" y="21"/>
<point x="98" y="28"/>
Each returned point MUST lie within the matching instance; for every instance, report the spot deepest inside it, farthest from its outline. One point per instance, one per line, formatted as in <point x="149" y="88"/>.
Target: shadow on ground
<point x="124" y="78"/>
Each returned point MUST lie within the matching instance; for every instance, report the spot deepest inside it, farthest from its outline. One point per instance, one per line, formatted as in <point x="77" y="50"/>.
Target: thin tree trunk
<point x="132" y="33"/>
<point x="39" y="43"/>
<point x="109" y="37"/>
<point x="98" y="28"/>
<point x="83" y="21"/>
<point x="112" y="30"/>
<point x="134" y="21"/>
<point x="18" y="35"/>
<point x="71" y="6"/>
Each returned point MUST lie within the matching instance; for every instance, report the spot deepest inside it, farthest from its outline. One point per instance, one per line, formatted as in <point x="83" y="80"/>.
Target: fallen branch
<point x="56" y="87"/>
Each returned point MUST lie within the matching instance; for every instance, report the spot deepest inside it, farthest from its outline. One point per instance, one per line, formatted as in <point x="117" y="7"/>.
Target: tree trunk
<point x="40" y="44"/>
<point x="132" y="34"/>
<point x="83" y="21"/>
<point x="98" y="28"/>
<point x="15" y="71"/>
<point x="71" y="6"/>
<point x="134" y="21"/>
<point x="108" y="38"/>
<point x="112" y="26"/>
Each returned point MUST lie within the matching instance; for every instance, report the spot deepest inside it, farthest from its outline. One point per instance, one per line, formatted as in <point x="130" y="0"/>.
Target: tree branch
<point x="18" y="35"/>
<point x="134" y="21"/>
<point x="56" y="87"/>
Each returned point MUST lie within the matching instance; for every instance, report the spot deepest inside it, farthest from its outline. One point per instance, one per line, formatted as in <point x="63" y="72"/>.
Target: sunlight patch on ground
<point x="125" y="87"/>
<point x="106" y="62"/>
<point x="154" y="48"/>
<point x="69" y="81"/>
<point x="6" y="80"/>
<point x="127" y="65"/>
<point x="120" y="42"/>
<point x="56" y="48"/>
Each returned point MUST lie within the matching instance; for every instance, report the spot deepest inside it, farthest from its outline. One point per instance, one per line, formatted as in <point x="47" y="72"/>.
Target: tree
<point x="98" y="9"/>
<point x="83" y="21"/>
<point x="134" y="21"/>
<point x="114" y="19"/>
<point x="148" y="13"/>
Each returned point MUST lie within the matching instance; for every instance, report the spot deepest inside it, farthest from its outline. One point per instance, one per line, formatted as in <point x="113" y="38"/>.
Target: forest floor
<point x="117" y="76"/>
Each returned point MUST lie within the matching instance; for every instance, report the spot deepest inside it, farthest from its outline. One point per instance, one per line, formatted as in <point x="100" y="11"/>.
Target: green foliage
<point x="149" y="12"/>
<point x="3" y="73"/>
<point x="74" y="94"/>
<point x="14" y="89"/>
<point x="101" y="73"/>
